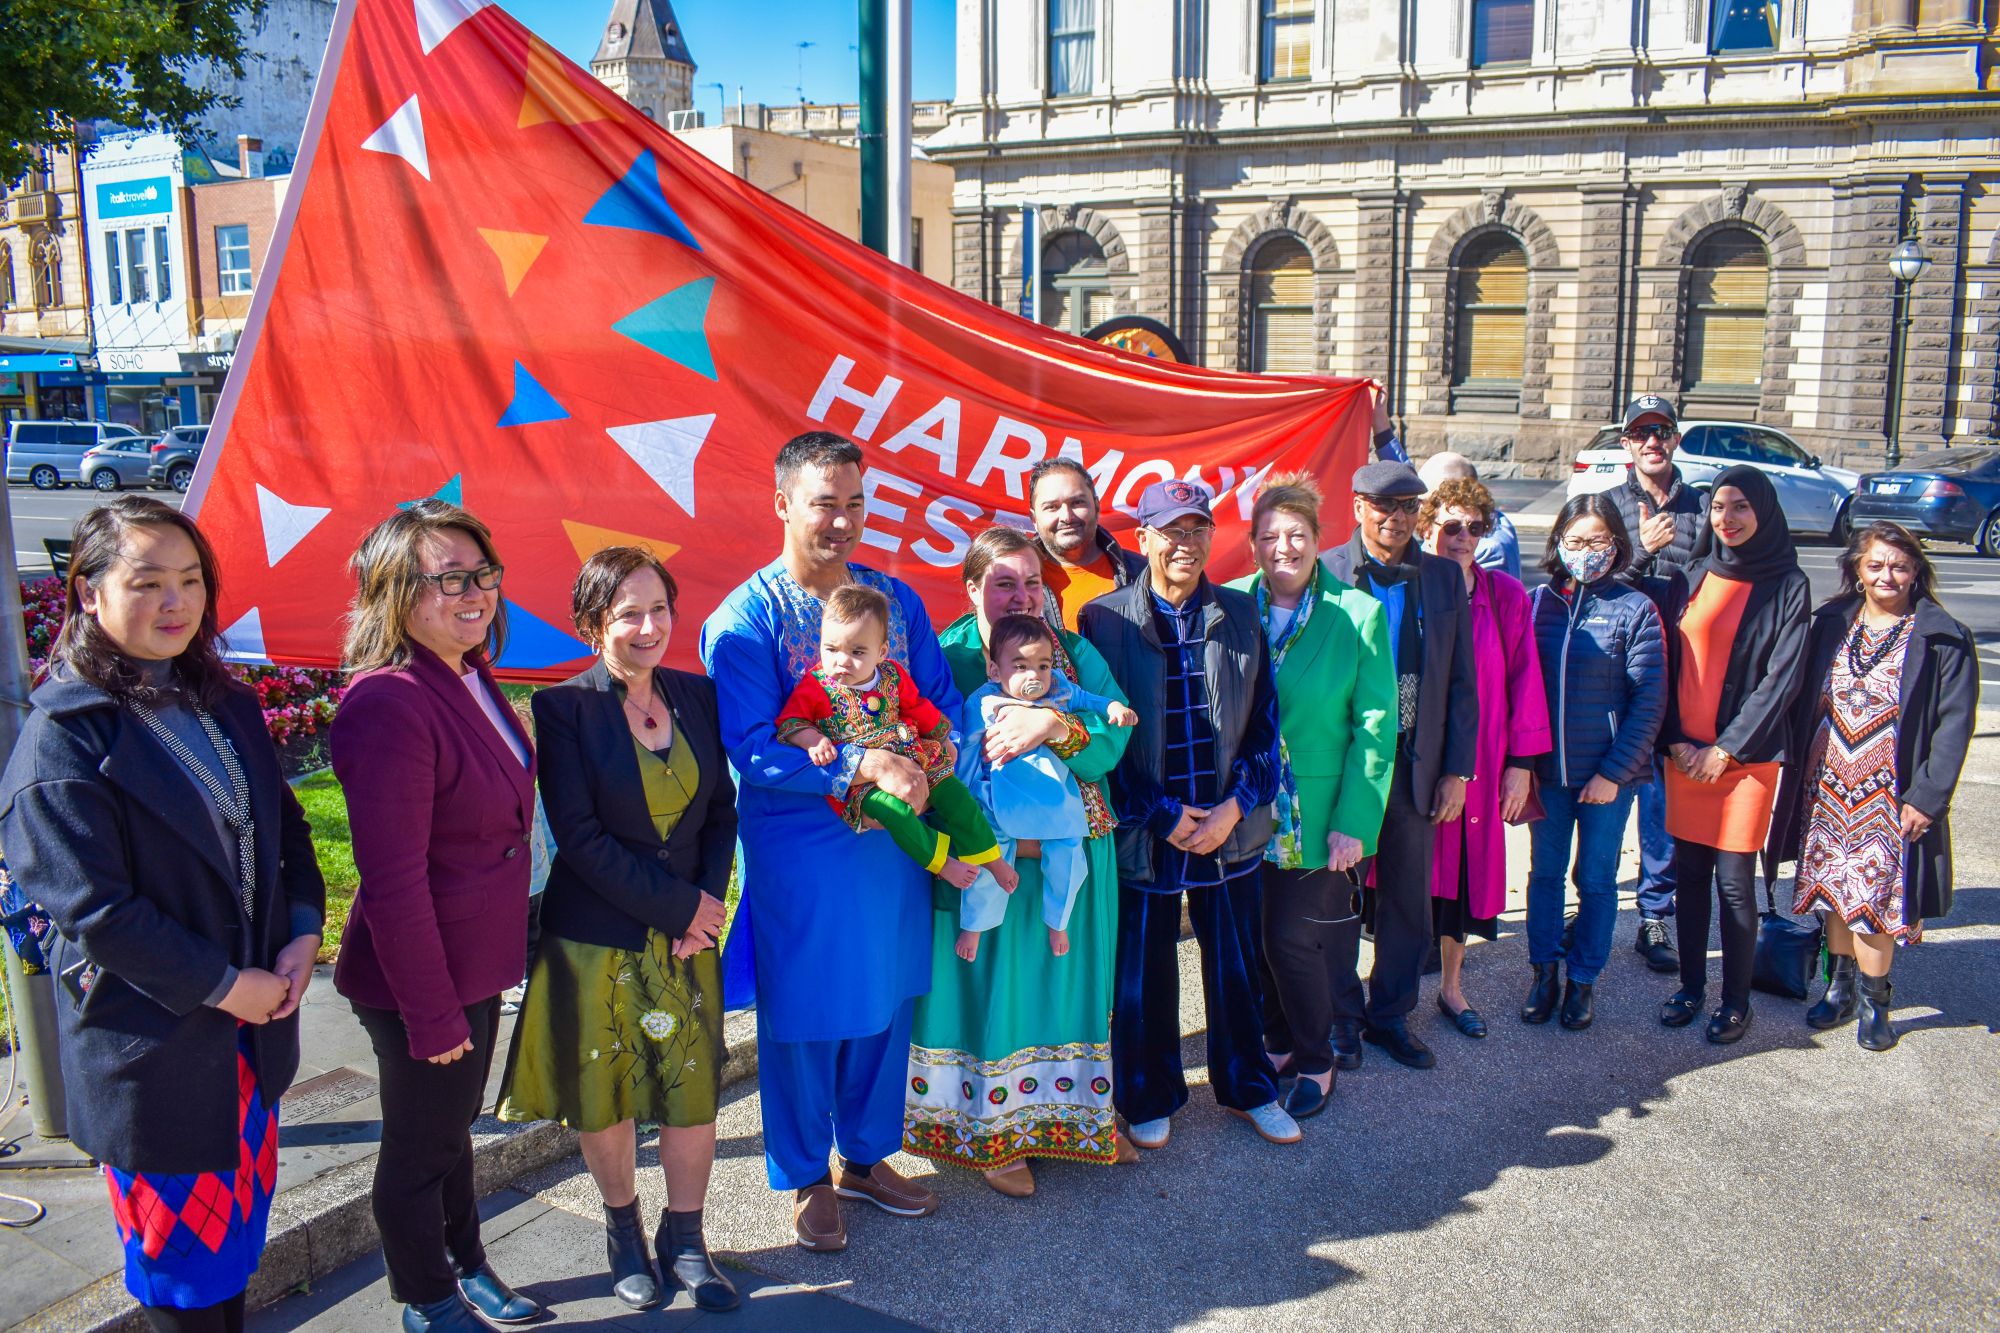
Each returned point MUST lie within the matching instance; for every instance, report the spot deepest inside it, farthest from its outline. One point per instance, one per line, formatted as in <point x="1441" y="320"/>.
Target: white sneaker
<point x="510" y="999"/>
<point x="1272" y="1121"/>
<point x="1152" y="1133"/>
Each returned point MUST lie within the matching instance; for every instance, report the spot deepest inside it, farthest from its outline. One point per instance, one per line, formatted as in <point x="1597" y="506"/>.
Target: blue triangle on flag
<point x="532" y="403"/>
<point x="452" y="492"/>
<point x="637" y="202"/>
<point x="672" y="325"/>
<point x="533" y="643"/>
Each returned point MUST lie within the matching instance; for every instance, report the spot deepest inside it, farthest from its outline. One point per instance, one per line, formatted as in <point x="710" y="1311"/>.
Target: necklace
<point x="652" y="723"/>
<point x="1859" y="665"/>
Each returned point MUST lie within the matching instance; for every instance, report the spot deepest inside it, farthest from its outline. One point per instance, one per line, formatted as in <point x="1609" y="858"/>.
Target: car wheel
<point x="1837" y="534"/>
<point x="180" y="477"/>
<point x="104" y="479"/>
<point x="44" y="478"/>
<point x="1988" y="540"/>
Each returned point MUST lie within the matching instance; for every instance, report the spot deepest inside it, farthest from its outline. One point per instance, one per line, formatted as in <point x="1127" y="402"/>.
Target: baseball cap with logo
<point x="1164" y="501"/>
<point x="1651" y="405"/>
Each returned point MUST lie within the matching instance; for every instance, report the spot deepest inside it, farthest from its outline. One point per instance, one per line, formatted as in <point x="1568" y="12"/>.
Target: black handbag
<point x="1788" y="952"/>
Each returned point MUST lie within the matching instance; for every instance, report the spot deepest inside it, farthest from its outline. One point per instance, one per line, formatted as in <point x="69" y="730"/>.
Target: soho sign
<point x="136" y="198"/>
<point x="127" y="360"/>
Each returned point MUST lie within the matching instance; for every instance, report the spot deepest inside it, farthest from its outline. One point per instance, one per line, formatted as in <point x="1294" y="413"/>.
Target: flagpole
<point x="899" y="146"/>
<point x="874" y="144"/>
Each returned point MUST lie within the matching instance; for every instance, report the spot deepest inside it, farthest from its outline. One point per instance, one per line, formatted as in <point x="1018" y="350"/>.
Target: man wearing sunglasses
<point x="1665" y="517"/>
<point x="1437" y="735"/>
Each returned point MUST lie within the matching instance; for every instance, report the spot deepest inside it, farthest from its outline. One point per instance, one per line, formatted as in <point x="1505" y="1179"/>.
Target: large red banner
<point x="496" y="281"/>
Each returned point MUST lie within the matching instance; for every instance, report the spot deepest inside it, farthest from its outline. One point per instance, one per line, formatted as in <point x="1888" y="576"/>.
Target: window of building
<point x="1281" y="307"/>
<point x="1072" y="47"/>
<point x="1076" y="283"/>
<point x="1729" y="279"/>
<point x="1503" y="31"/>
<point x="232" y="259"/>
<point x="48" y="272"/>
<point x="1743" y="25"/>
<point x="1287" y="51"/>
<point x="138" y="274"/>
<point x="114" y="271"/>
<point x="6" y="277"/>
<point x="1492" y="342"/>
<point x="917" y="245"/>
<point x="162" y="270"/>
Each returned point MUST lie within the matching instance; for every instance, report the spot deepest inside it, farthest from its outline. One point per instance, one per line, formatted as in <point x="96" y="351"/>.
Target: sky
<point x="755" y="43"/>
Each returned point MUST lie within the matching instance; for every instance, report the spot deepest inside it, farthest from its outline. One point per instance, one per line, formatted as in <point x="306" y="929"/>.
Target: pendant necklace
<point x="1858" y="665"/>
<point x="646" y="714"/>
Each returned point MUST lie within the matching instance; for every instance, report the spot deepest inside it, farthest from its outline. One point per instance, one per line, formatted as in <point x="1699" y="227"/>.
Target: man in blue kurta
<point x="837" y="924"/>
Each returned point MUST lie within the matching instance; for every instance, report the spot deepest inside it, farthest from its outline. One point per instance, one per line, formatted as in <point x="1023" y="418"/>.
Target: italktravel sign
<point x="131" y="199"/>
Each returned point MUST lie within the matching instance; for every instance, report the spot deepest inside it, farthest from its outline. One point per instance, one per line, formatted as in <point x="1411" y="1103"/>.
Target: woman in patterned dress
<point x="1895" y="685"/>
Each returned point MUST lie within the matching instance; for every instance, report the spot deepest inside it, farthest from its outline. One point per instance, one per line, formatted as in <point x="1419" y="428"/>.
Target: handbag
<point x="1788" y="952"/>
<point x="1532" y="809"/>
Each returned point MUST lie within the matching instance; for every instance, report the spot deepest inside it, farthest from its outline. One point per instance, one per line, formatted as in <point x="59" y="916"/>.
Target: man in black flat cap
<point x="1437" y="734"/>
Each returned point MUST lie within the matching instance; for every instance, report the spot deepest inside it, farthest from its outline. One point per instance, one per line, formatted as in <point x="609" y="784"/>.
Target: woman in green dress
<point x="1011" y="1054"/>
<point x="622" y="1022"/>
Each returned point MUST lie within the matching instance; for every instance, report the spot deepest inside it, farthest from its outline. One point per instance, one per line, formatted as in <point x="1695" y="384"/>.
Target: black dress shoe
<point x="1466" y="1020"/>
<point x="494" y="1300"/>
<point x="1871" y="1013"/>
<point x="1837" y="1005"/>
<point x="1303" y="1097"/>
<point x="446" y="1316"/>
<point x="1346" y="1038"/>
<point x="1680" y="1008"/>
<point x="685" y="1259"/>
<point x="1656" y="945"/>
<point x="1542" y="995"/>
<point x="1576" y="1011"/>
<point x="633" y="1280"/>
<point x="1402" y="1046"/>
<point x="1728" y="1024"/>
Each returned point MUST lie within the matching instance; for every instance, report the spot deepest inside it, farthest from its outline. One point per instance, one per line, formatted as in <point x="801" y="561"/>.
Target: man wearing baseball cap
<point x="1193" y="791"/>
<point x="1437" y="734"/>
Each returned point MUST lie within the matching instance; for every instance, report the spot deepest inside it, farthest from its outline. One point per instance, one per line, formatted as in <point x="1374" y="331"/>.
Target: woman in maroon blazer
<point x="439" y="780"/>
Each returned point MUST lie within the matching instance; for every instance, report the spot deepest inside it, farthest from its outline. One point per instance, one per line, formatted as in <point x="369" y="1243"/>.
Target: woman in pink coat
<point x="1469" y="868"/>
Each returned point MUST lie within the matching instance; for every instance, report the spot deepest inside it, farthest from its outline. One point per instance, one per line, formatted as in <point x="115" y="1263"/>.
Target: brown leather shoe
<point x="887" y="1190"/>
<point x="816" y="1219"/>
<point x="1015" y="1181"/>
<point x="1126" y="1153"/>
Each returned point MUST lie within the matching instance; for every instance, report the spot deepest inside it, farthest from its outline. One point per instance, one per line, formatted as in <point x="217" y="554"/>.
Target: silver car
<point x="113" y="466"/>
<point x="1814" y="495"/>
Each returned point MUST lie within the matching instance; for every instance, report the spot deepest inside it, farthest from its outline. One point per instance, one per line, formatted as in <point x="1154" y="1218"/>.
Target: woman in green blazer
<point x="1329" y="647"/>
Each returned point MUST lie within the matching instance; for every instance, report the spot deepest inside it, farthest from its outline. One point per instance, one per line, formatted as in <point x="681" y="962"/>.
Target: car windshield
<point x="1605" y="439"/>
<point x="1986" y="462"/>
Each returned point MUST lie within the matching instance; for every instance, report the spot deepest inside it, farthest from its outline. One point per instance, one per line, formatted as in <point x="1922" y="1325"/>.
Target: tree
<point x="143" y="64"/>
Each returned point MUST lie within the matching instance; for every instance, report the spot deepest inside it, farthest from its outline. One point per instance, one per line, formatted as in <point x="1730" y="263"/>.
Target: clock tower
<point x="644" y="59"/>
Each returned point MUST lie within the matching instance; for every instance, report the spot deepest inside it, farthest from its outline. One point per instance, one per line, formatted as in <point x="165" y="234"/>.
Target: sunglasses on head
<point x="1390" y="505"/>
<point x="1658" y="430"/>
<point x="1452" y="527"/>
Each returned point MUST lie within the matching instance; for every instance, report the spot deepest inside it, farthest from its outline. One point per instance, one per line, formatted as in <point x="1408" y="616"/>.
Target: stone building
<point x="1516" y="213"/>
<point x="644" y="58"/>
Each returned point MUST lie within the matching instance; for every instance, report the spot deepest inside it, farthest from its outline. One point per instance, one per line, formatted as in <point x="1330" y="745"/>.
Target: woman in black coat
<point x="145" y="808"/>
<point x="1893" y="692"/>
<point x="1741" y="642"/>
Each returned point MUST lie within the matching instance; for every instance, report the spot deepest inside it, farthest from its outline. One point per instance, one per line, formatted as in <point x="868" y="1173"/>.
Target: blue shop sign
<point x="137" y="198"/>
<point x="43" y="361"/>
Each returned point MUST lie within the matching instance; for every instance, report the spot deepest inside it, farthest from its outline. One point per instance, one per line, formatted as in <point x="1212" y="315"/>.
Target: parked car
<point x="1950" y="494"/>
<point x="175" y="455"/>
<point x="1816" y="496"/>
<point x="117" y="464"/>
<point x="49" y="454"/>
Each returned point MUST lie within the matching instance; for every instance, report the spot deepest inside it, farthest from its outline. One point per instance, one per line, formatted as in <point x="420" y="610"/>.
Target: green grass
<point x="326" y="811"/>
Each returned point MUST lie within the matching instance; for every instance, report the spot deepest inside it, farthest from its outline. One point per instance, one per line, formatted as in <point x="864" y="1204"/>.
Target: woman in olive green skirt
<point x="621" y="1025"/>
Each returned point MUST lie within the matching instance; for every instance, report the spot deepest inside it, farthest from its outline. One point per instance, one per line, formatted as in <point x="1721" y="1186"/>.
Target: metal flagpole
<point x="874" y="145"/>
<point x="899" y="147"/>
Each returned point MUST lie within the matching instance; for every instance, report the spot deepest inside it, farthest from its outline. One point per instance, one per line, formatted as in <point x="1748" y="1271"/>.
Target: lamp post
<point x="1907" y="263"/>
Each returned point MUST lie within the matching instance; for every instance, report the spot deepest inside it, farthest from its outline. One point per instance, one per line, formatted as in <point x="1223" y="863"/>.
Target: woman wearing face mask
<point x="1883" y="731"/>
<point x="1740" y="660"/>
<point x="1469" y="871"/>
<point x="1604" y="665"/>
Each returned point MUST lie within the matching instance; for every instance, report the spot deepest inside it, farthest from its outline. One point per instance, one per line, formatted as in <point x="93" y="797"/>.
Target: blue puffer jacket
<point x="1604" y="663"/>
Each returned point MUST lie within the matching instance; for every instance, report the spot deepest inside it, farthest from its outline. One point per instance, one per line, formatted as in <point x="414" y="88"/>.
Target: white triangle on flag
<point x="244" y="640"/>
<point x="667" y="450"/>
<point x="437" y="19"/>
<point x="285" y="524"/>
<point x="402" y="135"/>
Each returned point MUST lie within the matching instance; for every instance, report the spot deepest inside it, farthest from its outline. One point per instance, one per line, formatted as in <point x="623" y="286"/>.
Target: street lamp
<point x="1907" y="263"/>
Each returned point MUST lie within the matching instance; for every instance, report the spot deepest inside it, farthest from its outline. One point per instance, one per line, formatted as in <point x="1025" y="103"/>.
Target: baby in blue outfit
<point x="1033" y="796"/>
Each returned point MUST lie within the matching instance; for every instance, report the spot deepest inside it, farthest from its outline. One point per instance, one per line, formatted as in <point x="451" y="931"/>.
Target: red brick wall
<point x="253" y="203"/>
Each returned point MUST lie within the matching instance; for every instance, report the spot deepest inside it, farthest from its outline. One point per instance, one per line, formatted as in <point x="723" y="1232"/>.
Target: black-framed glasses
<point x="1452" y="527"/>
<point x="1188" y="536"/>
<point x="454" y="582"/>
<point x="1383" y="504"/>
<point x="1657" y="430"/>
<point x="1587" y="543"/>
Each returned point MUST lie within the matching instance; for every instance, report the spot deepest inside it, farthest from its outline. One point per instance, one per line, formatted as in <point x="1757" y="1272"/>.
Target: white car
<point x="1814" y="495"/>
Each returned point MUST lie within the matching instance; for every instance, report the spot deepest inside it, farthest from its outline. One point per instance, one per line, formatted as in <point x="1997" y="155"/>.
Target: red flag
<point x="496" y="281"/>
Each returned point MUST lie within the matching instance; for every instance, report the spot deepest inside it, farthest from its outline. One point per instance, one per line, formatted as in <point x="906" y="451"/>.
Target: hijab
<point x="1769" y="553"/>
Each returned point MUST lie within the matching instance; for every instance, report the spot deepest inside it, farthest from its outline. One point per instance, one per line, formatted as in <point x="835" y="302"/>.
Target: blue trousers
<point x="1656" y="847"/>
<point x="821" y="1095"/>
<point x="1064" y="868"/>
<point x="1599" y="831"/>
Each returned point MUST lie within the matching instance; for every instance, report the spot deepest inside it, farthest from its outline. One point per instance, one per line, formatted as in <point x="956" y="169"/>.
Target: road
<point x="40" y="514"/>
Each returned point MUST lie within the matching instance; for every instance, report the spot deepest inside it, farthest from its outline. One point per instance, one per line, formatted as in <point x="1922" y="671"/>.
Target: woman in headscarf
<point x="1742" y="646"/>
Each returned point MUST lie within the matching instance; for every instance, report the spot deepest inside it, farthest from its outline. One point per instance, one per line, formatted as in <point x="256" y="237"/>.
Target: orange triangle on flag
<point x="589" y="540"/>
<point x="517" y="251"/>
<point x="550" y="95"/>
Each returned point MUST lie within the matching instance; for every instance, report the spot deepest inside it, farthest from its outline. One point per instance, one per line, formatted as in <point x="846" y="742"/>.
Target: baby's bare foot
<point x="959" y="874"/>
<point x="1058" y="942"/>
<point x="1005" y="875"/>
<point x="968" y="945"/>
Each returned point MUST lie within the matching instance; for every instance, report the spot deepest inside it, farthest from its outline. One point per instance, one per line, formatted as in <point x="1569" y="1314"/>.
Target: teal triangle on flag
<point x="673" y="326"/>
<point x="452" y="493"/>
<point x="533" y="643"/>
<point x="638" y="203"/>
<point x="532" y="403"/>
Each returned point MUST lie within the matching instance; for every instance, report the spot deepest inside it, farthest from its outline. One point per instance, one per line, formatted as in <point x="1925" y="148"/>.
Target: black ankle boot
<point x="1837" y="1005"/>
<point x="632" y="1278"/>
<point x="1577" y="1011"/>
<point x="1542" y="996"/>
<point x="1871" y="1012"/>
<point x="685" y="1260"/>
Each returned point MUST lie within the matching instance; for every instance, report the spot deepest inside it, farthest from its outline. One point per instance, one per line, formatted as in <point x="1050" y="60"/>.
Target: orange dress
<point x="1732" y="813"/>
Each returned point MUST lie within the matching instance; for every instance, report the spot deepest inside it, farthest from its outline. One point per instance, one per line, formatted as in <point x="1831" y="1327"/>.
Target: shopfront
<point x="39" y="386"/>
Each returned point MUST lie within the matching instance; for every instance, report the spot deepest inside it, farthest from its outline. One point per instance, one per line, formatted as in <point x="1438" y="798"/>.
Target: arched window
<point x="1729" y="280"/>
<point x="6" y="277"/>
<point x="48" y="272"/>
<point x="1281" y="309"/>
<point x="1076" y="283"/>
<point x="1492" y="319"/>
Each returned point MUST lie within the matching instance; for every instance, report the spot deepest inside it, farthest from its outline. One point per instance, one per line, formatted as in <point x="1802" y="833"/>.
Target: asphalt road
<point x="38" y="514"/>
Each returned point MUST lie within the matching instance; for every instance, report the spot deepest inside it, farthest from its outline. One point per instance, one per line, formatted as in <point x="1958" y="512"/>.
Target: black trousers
<point x="1734" y="875"/>
<point x="1303" y="911"/>
<point x="1402" y="913"/>
<point x="425" y="1204"/>
<point x="222" y="1317"/>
